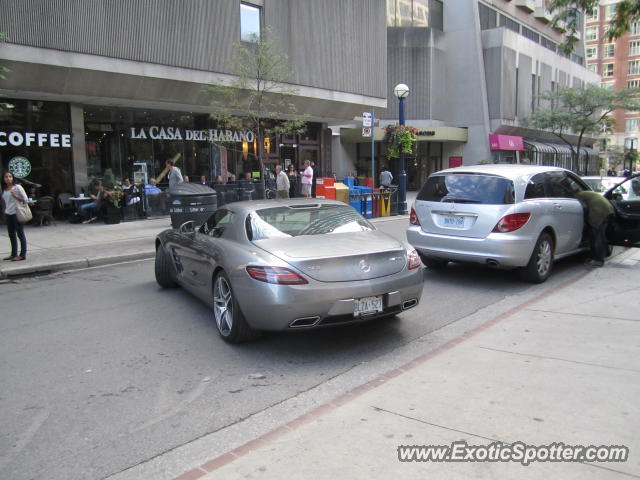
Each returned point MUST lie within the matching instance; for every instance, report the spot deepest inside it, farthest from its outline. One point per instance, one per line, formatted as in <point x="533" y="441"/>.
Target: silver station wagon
<point x="503" y="216"/>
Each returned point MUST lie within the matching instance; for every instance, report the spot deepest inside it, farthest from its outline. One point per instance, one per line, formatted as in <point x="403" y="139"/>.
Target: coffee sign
<point x="175" y="133"/>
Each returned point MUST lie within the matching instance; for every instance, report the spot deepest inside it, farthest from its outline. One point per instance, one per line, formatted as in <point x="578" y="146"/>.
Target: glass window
<point x="436" y="14"/>
<point x="559" y="185"/>
<point x="415" y="13"/>
<point x="635" y="28"/>
<point x="631" y="125"/>
<point x="633" y="84"/>
<point x="607" y="85"/>
<point x="535" y="187"/>
<point x="591" y="52"/>
<point x="591" y="33"/>
<point x="468" y="188"/>
<point x="488" y="17"/>
<point x="609" y="50"/>
<point x="592" y="15"/>
<point x="294" y="221"/>
<point x="510" y="24"/>
<point x="217" y="223"/>
<point x="593" y="67"/>
<point x="420" y="17"/>
<point x="607" y="70"/>
<point x="609" y="11"/>
<point x="634" y="67"/>
<point x="250" y="23"/>
<point x="530" y="34"/>
<point x="634" y="47"/>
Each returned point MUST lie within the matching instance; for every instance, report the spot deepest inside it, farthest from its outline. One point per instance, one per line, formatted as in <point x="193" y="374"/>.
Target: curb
<point x="44" y="269"/>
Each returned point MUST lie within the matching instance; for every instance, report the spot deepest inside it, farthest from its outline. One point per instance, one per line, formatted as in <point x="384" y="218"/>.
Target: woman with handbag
<point x="15" y="201"/>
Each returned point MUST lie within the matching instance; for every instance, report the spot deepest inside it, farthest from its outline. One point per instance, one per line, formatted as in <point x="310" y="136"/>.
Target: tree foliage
<point x="260" y="95"/>
<point x="569" y="13"/>
<point x="572" y="112"/>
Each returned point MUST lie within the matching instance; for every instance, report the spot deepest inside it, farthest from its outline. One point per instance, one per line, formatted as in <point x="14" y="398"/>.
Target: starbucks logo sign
<point x="19" y="167"/>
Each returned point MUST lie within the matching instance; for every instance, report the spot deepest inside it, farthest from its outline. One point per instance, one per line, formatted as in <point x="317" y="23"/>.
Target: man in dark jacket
<point x="599" y="213"/>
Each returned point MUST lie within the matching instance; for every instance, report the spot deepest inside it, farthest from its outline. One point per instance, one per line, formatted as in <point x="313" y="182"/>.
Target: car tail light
<point x="413" y="218"/>
<point x="413" y="260"/>
<point x="278" y="275"/>
<point x="511" y="222"/>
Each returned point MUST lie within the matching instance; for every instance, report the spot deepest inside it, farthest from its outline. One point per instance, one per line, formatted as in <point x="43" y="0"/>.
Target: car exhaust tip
<point x="493" y="263"/>
<point x="409" y="303"/>
<point x="304" y="322"/>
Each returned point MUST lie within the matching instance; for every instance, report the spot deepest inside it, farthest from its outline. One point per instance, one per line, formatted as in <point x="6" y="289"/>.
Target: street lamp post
<point x="401" y="91"/>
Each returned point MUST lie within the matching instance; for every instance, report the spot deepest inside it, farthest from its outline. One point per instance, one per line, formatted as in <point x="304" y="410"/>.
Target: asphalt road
<point x="101" y="369"/>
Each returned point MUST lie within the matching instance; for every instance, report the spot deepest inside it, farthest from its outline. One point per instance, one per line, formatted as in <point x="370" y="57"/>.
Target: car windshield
<point x="468" y="188"/>
<point x="296" y="220"/>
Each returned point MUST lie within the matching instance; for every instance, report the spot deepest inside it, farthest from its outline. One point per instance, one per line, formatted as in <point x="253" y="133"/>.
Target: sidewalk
<point x="563" y="367"/>
<point x="66" y="246"/>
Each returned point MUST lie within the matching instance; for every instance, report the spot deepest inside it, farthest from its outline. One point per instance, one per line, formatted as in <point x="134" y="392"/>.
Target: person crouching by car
<point x="11" y="195"/>
<point x="599" y="213"/>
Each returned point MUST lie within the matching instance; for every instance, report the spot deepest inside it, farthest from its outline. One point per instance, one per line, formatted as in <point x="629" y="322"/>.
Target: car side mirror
<point x="188" y="228"/>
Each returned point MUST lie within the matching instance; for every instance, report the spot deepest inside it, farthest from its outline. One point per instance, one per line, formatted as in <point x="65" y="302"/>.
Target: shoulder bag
<point x="23" y="212"/>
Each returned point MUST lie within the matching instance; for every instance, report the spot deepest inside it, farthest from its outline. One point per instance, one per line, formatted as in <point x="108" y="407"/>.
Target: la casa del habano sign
<point x="176" y="133"/>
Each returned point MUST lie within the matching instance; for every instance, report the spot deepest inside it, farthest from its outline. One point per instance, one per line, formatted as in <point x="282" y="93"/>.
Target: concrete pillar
<point x="79" y="149"/>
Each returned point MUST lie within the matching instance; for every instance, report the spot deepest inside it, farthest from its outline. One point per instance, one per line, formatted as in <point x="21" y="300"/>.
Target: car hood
<point x="340" y="257"/>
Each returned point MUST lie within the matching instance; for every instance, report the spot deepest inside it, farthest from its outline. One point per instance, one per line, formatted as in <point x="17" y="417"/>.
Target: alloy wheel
<point x="223" y="305"/>
<point x="544" y="257"/>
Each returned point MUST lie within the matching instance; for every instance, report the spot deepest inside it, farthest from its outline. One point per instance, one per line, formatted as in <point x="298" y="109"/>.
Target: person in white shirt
<point x="307" y="179"/>
<point x="11" y="195"/>
<point x="282" y="183"/>
<point x="385" y="177"/>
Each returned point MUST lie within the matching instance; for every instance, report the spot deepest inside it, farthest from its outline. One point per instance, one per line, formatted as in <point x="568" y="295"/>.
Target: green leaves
<point x="400" y="139"/>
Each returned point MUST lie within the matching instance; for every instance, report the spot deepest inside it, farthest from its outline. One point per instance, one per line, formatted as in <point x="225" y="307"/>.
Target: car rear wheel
<point x="541" y="262"/>
<point x="232" y="326"/>
<point x="164" y="271"/>
<point x="433" y="263"/>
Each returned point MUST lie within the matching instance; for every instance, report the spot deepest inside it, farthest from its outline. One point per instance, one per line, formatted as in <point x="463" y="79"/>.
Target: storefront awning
<point x="505" y="142"/>
<point x="557" y="148"/>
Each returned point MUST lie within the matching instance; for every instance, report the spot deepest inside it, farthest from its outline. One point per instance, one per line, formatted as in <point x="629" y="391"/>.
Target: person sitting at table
<point x="130" y="192"/>
<point x="155" y="197"/>
<point x="90" y="211"/>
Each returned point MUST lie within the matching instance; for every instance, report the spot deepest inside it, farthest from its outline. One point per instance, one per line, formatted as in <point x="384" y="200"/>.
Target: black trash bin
<point x="191" y="201"/>
<point x="221" y="191"/>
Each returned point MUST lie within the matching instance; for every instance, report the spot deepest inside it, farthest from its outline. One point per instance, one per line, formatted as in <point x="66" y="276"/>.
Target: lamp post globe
<point x="401" y="91"/>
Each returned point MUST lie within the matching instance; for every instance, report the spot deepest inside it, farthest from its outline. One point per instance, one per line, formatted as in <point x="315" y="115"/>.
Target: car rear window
<point x="293" y="221"/>
<point x="468" y="188"/>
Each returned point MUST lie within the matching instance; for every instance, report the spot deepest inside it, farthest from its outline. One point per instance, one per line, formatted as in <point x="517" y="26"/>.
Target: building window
<point x="591" y="52"/>
<point x="530" y="34"/>
<point x="633" y="84"/>
<point x="631" y="125"/>
<point x="592" y="16"/>
<point x="415" y="13"/>
<point x="593" y="67"/>
<point x="607" y="85"/>
<point x="590" y="33"/>
<point x="609" y="51"/>
<point x="635" y="28"/>
<point x="607" y="69"/>
<point x="546" y="43"/>
<point x="488" y="17"/>
<point x="609" y="11"/>
<point x="250" y="22"/>
<point x="634" y="67"/>
<point x="510" y="24"/>
<point x="634" y="47"/>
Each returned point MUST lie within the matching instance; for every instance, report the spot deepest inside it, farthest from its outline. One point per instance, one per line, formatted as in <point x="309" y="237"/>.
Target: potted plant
<point x="400" y="139"/>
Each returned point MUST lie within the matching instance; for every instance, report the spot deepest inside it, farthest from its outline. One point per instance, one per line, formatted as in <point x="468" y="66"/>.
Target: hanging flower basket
<point x="400" y="139"/>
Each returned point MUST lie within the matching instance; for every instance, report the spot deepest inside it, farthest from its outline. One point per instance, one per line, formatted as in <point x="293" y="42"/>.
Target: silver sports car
<point x="289" y="264"/>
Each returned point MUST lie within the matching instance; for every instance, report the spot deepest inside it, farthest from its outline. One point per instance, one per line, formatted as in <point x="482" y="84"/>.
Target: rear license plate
<point x="453" y="221"/>
<point x="367" y="305"/>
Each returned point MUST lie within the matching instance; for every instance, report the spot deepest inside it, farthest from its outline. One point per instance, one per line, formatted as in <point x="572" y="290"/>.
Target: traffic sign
<point x="366" y="119"/>
<point x="366" y="131"/>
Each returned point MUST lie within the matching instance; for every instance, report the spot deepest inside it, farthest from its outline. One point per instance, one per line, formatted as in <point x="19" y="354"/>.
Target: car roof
<point x="506" y="170"/>
<point x="604" y="177"/>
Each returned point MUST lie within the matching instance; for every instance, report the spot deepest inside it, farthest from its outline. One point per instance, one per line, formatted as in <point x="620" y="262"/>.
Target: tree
<point x="569" y="12"/>
<point x="581" y="111"/>
<point x="260" y="95"/>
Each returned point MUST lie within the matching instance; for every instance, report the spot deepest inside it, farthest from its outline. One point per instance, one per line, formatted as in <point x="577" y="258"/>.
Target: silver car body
<point x="476" y="241"/>
<point x="339" y="268"/>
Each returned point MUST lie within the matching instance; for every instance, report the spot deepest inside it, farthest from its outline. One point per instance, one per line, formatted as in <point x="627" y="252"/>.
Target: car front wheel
<point x="164" y="270"/>
<point x="541" y="262"/>
<point x="232" y="326"/>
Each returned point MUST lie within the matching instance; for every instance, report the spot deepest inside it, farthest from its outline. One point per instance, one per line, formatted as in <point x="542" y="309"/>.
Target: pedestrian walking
<point x="13" y="193"/>
<point x="175" y="175"/>
<point x="282" y="183"/>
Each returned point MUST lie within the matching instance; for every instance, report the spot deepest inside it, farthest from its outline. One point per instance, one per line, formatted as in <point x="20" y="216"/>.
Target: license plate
<point x="367" y="305"/>
<point x="453" y="221"/>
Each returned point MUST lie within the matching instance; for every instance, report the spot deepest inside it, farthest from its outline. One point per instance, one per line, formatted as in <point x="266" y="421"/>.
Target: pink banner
<point x="505" y="142"/>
